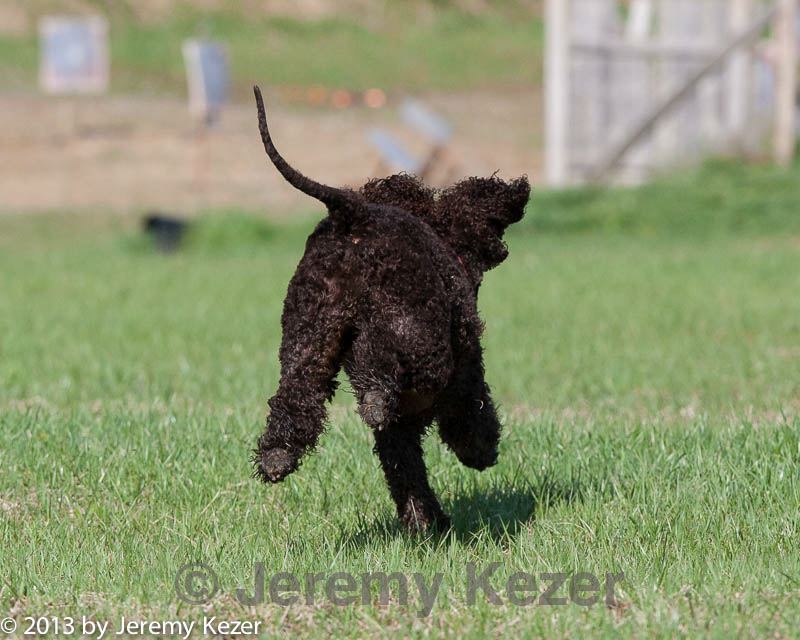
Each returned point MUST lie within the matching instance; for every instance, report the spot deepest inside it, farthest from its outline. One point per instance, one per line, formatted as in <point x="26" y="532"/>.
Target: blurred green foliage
<point x="721" y="197"/>
<point x="450" y="49"/>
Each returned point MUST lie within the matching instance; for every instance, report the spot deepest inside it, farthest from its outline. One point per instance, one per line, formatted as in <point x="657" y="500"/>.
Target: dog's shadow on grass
<point x="498" y="512"/>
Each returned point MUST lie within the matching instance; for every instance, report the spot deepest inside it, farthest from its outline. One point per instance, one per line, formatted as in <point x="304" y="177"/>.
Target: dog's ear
<point x="516" y="197"/>
<point x="491" y="198"/>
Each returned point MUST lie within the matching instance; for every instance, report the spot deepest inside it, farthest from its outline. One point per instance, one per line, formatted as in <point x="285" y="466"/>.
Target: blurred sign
<point x="433" y="126"/>
<point x="392" y="153"/>
<point x="74" y="54"/>
<point x="208" y="77"/>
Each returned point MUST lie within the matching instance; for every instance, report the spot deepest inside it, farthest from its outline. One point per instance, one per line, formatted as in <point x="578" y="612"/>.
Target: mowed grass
<point x="649" y="378"/>
<point x="399" y="50"/>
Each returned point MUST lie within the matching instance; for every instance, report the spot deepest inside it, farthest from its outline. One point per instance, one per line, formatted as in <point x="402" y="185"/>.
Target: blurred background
<point x="132" y="105"/>
<point x="133" y="143"/>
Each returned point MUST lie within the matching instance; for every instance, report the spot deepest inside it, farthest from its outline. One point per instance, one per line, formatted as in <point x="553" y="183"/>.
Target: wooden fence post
<point x="785" y="133"/>
<point x="557" y="83"/>
<point x="676" y="21"/>
<point x="591" y="21"/>
<point x="710" y="92"/>
<point x="738" y="83"/>
<point x="633" y="87"/>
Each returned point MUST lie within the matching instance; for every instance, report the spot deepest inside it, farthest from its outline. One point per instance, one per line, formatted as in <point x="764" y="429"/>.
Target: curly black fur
<point x="387" y="289"/>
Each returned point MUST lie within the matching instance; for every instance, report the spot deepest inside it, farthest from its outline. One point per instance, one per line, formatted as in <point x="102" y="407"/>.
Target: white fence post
<point x="738" y="81"/>
<point x="557" y="82"/>
<point x="674" y="28"/>
<point x="640" y="20"/>
<point x="785" y="134"/>
<point x="715" y="16"/>
<point x="594" y="22"/>
<point x="635" y="83"/>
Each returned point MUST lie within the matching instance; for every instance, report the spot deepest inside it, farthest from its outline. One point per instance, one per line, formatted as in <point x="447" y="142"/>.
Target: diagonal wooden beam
<point x="649" y="120"/>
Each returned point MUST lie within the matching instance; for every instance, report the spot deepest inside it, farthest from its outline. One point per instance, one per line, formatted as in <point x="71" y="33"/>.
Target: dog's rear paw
<point x="273" y="465"/>
<point x="420" y="517"/>
<point x="373" y="409"/>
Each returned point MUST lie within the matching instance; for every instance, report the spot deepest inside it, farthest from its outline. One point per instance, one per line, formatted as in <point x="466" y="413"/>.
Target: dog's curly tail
<point x="337" y="200"/>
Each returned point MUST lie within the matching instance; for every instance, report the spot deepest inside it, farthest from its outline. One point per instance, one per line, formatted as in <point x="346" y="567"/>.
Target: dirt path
<point x="133" y="154"/>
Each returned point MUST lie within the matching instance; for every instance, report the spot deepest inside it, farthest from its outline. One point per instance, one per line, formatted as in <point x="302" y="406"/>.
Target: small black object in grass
<point x="167" y="232"/>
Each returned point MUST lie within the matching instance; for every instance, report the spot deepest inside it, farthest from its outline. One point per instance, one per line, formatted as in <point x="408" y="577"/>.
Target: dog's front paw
<point x="479" y="460"/>
<point x="273" y="465"/>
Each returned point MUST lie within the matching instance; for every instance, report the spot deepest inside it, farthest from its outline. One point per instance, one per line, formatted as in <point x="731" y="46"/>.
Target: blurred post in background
<point x="556" y="77"/>
<point x="208" y="82"/>
<point x="208" y="78"/>
<point x="785" y="138"/>
<point x="740" y="70"/>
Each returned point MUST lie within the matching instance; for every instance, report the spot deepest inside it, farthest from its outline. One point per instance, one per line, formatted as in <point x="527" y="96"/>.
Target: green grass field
<point x="644" y="346"/>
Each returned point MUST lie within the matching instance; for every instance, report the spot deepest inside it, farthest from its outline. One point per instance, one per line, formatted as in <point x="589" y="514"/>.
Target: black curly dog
<point x="387" y="288"/>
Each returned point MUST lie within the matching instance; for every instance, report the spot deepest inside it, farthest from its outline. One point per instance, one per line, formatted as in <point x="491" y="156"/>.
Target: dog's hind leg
<point x="310" y="355"/>
<point x="399" y="449"/>
<point x="399" y="371"/>
<point x="466" y="415"/>
<point x="374" y="371"/>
